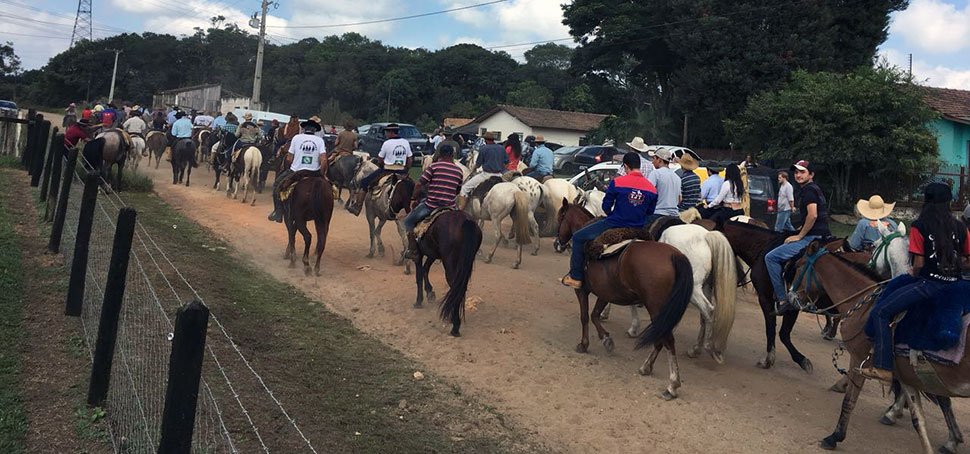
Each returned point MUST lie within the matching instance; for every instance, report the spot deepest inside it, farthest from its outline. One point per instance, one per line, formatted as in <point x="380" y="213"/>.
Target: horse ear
<point x="901" y="229"/>
<point x="812" y="248"/>
<point x="565" y="202"/>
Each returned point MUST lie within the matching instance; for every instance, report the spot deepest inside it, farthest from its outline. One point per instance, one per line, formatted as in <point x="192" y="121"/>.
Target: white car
<point x="597" y="176"/>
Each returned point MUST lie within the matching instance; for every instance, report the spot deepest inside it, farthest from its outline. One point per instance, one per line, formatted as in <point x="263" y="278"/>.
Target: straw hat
<point x="687" y="162"/>
<point x="637" y="144"/>
<point x="540" y="139"/>
<point x="875" y="208"/>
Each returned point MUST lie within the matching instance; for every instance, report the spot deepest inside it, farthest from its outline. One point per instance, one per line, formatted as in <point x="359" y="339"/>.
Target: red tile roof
<point x="548" y="118"/>
<point x="952" y="104"/>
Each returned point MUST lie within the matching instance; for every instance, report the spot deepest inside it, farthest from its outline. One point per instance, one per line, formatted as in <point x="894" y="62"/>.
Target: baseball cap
<point x="661" y="153"/>
<point x="803" y="165"/>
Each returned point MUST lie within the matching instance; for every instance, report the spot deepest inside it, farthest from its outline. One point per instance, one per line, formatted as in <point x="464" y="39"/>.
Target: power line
<point x="391" y="19"/>
<point x="34" y="36"/>
<point x="62" y="15"/>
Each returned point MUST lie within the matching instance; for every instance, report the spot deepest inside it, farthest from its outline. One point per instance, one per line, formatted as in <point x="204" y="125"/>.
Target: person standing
<point x="70" y="115"/>
<point x="492" y="159"/>
<point x="875" y="214"/>
<point x="690" y="183"/>
<point x="667" y="184"/>
<point x="395" y="157"/>
<point x="815" y="225"/>
<point x="441" y="180"/>
<point x="540" y="166"/>
<point x="786" y="201"/>
<point x="629" y="201"/>
<point x="306" y="157"/>
<point x="646" y="165"/>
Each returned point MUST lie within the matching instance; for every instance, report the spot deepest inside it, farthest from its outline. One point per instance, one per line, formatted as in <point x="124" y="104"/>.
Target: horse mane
<point x="752" y="227"/>
<point x="865" y="270"/>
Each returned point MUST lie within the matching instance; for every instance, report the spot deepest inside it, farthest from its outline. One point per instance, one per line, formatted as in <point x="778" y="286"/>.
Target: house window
<point x="583" y="141"/>
<point x="482" y="131"/>
<point x="498" y="135"/>
<point x="521" y="135"/>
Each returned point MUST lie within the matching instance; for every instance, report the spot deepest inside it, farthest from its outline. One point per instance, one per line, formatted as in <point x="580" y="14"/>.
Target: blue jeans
<point x="775" y="259"/>
<point x="416" y="215"/>
<point x="537" y="175"/>
<point x="783" y="222"/>
<point x="369" y="179"/>
<point x="577" y="261"/>
<point x="902" y="299"/>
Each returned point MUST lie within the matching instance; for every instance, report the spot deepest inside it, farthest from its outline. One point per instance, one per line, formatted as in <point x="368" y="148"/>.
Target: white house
<point x="566" y="128"/>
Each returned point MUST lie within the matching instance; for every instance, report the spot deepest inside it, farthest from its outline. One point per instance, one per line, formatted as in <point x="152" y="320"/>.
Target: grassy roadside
<point x="13" y="418"/>
<point x="347" y="389"/>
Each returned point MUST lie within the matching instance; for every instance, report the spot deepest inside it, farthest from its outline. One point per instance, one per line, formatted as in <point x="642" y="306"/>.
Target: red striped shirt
<point x="442" y="181"/>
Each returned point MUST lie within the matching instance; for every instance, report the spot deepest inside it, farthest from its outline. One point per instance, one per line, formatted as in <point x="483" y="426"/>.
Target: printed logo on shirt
<point x="635" y="198"/>
<point x="306" y="160"/>
<point x="400" y="154"/>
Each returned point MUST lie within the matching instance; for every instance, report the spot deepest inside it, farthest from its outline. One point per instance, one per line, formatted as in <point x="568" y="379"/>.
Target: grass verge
<point x="13" y="418"/>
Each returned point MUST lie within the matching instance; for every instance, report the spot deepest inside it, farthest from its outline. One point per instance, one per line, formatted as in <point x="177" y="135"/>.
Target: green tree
<point x="869" y="129"/>
<point x="549" y="56"/>
<point x="9" y="61"/>
<point x="578" y="98"/>
<point x="530" y="94"/>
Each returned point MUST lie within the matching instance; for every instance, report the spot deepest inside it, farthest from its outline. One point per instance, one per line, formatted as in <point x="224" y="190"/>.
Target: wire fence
<point x="234" y="403"/>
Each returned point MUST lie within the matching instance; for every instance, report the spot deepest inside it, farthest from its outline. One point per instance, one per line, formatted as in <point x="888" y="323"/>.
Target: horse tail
<point x="520" y="217"/>
<point x="253" y="162"/>
<point x="690" y="215"/>
<point x="670" y="314"/>
<point x="724" y="274"/>
<point x="453" y="304"/>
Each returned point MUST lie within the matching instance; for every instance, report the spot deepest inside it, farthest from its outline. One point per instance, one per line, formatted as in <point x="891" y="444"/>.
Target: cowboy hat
<point x="875" y="208"/>
<point x="637" y="144"/>
<point x="311" y="123"/>
<point x="247" y="116"/>
<point x="687" y="162"/>
<point x="539" y="139"/>
<point x="316" y="119"/>
<point x="663" y="154"/>
<point x="392" y="127"/>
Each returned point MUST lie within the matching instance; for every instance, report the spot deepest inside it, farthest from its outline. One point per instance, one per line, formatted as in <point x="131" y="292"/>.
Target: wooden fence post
<point x="79" y="267"/>
<point x="57" y="162"/>
<point x="40" y="148"/>
<point x="49" y="153"/>
<point x="32" y="125"/>
<point x="184" y="374"/>
<point x="114" y="293"/>
<point x="60" y="213"/>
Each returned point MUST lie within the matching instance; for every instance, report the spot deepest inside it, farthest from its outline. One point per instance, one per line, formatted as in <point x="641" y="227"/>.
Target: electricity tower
<point x="82" y="23"/>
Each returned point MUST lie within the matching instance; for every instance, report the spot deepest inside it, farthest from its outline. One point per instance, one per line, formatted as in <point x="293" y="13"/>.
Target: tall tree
<point x="9" y="61"/>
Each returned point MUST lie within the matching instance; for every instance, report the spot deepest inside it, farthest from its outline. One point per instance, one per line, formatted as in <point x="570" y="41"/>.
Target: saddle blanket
<point x="613" y="241"/>
<point x="297" y="178"/>
<point x="425" y="224"/>
<point x="948" y="357"/>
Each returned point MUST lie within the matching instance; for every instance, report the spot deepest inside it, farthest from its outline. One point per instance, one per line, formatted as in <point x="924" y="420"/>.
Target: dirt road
<point x="516" y="352"/>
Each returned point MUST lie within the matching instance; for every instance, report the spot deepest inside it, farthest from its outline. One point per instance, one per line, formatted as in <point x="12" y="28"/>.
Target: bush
<point x="133" y="181"/>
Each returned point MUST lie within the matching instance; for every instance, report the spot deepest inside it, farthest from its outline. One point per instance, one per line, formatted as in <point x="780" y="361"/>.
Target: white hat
<point x="637" y="144"/>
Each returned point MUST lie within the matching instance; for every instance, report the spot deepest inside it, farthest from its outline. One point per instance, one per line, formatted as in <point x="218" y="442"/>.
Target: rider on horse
<point x="629" y="200"/>
<point x="815" y="225"/>
<point x="441" y="180"/>
<point x="181" y="129"/>
<point x="492" y="159"/>
<point x="345" y="144"/>
<point x="248" y="133"/>
<point x="874" y="212"/>
<point x="396" y="158"/>
<point x="940" y="246"/>
<point x="307" y="158"/>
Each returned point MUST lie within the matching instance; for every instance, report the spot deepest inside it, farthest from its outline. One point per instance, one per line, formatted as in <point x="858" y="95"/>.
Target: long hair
<point x="733" y="174"/>
<point x="935" y="219"/>
<point x="514" y="142"/>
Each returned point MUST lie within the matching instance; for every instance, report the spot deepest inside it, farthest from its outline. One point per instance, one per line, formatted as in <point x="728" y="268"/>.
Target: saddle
<point x="287" y="190"/>
<point x="509" y="176"/>
<point x="482" y="189"/>
<point x="425" y="224"/>
<point x="613" y="241"/>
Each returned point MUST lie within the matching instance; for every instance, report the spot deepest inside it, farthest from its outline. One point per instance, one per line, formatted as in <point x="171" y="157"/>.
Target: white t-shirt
<point x="785" y="196"/>
<point x="306" y="150"/>
<point x="203" y="120"/>
<point x="395" y="153"/>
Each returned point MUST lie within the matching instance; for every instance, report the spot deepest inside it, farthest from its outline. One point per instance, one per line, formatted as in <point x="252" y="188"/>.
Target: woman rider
<point x="727" y="204"/>
<point x="939" y="245"/>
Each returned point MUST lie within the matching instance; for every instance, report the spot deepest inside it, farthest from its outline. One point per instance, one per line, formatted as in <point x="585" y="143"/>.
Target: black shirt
<point x="810" y="194"/>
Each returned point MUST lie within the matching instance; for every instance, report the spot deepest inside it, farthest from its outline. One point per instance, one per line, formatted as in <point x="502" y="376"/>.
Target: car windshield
<point x="8" y="104"/>
<point x="409" y="132"/>
<point x="758" y="185"/>
<point x="566" y="150"/>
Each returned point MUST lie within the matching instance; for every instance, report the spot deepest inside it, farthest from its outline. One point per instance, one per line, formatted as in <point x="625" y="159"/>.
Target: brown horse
<point x="156" y="143"/>
<point x="311" y="200"/>
<point x="851" y="287"/>
<point x="655" y="275"/>
<point x="106" y="151"/>
<point x="453" y="238"/>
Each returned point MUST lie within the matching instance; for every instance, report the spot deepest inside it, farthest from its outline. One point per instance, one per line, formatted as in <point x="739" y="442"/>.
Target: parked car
<point x="563" y="156"/>
<point x="597" y="176"/>
<point x="589" y="156"/>
<point x="763" y="189"/>
<point x="8" y="108"/>
<point x="371" y="141"/>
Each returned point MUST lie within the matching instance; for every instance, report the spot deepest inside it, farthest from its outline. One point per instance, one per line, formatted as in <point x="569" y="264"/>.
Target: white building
<point x="565" y="128"/>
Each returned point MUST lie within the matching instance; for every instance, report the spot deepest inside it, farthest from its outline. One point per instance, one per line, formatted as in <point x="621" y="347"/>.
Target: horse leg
<point x="307" y="241"/>
<point x="956" y="437"/>
<point x="601" y="332"/>
<point x="377" y="235"/>
<point x="291" y="243"/>
<point x="671" y="392"/>
<point x="323" y="228"/>
<point x="175" y="172"/>
<point x="427" y="282"/>
<point x="498" y="239"/>
<point x="919" y="417"/>
<point x="787" y="325"/>
<point x="856" y="382"/>
<point x="534" y="227"/>
<point x="188" y="174"/>
<point x="583" y="296"/>
<point x="647" y="367"/>
<point x="605" y="315"/>
<point x="634" y="322"/>
<point x="118" y="179"/>
<point x="767" y="310"/>
<point x="404" y="245"/>
<point x="372" y="229"/>
<point x="419" y="280"/>
<point x="706" y="308"/>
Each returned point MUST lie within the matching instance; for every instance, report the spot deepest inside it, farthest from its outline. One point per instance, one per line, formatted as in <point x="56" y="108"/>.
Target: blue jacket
<point x="542" y="160"/>
<point x="629" y="200"/>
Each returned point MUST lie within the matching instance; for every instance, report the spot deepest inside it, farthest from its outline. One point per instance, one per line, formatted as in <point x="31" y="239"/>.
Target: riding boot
<point x="357" y="202"/>
<point x="277" y="214"/>
<point x="462" y="201"/>
<point x="412" y="252"/>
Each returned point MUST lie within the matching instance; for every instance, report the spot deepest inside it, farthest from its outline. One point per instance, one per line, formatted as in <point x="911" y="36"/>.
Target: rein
<point x="883" y="250"/>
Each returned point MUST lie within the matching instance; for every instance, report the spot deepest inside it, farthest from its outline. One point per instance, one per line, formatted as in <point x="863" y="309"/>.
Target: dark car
<point x="8" y="108"/>
<point x="763" y="189"/>
<point x="372" y="140"/>
<point x="591" y="155"/>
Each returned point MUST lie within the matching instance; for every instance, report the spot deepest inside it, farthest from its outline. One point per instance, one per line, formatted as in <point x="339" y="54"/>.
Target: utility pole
<point x="258" y="79"/>
<point x="685" y="131"/>
<point x="114" y="74"/>
<point x="82" y="23"/>
<point x="910" y="65"/>
<point x="388" y="114"/>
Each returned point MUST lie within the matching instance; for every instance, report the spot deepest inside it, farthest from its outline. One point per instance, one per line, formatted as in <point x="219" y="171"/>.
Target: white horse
<point x="554" y="190"/>
<point x="137" y="150"/>
<point x="533" y="189"/>
<point x="252" y="160"/>
<point x="592" y="200"/>
<point x="892" y="260"/>
<point x="504" y="200"/>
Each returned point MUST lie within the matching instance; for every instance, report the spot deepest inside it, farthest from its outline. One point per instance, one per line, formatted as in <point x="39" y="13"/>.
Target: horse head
<point x="570" y="218"/>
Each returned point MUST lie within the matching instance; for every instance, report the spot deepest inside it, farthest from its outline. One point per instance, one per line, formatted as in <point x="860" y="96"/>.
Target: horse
<point x="200" y="137"/>
<point x="891" y="259"/>
<point x="503" y="200"/>
<point x="221" y="155"/>
<point x="311" y="200"/>
<point x="341" y="173"/>
<point x="852" y="288"/>
<point x="592" y="200"/>
<point x="245" y="170"/>
<point x="655" y="275"/>
<point x="183" y="160"/>
<point x="553" y="192"/>
<point x="715" y="278"/>
<point x="383" y="204"/>
<point x="137" y="149"/>
<point x="156" y="143"/>
<point x="107" y="153"/>
<point x="454" y="238"/>
<point x="268" y="163"/>
<point x="532" y="189"/>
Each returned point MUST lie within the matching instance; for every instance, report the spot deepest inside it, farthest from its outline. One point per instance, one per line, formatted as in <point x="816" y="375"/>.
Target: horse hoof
<point x="887" y="421"/>
<point x="516" y="266"/>
<point x="488" y="260"/>
<point x="370" y="256"/>
<point x="838" y="387"/>
<point x="946" y="450"/>
<point x="432" y="297"/>
<point x="645" y="371"/>
<point x="764" y="364"/>
<point x="631" y="333"/>
<point x="694" y="351"/>
<point x="608" y="344"/>
<point x="581" y="348"/>
<point x="668" y="396"/>
<point x="417" y="305"/>
<point x="806" y="365"/>
<point x="718" y="357"/>
<point x="455" y="333"/>
<point x="828" y="443"/>
<point x="407" y="271"/>
<point x="535" y="253"/>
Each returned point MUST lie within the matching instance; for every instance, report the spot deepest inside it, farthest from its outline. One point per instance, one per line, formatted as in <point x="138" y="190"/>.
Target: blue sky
<point x="936" y="32"/>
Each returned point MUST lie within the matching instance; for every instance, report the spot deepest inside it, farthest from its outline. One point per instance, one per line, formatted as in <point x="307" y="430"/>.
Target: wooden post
<point x="40" y="148"/>
<point x="114" y="293"/>
<point x="57" y="162"/>
<point x="32" y="125"/>
<point x="60" y="213"/>
<point x="79" y="267"/>
<point x="49" y="153"/>
<point x="184" y="373"/>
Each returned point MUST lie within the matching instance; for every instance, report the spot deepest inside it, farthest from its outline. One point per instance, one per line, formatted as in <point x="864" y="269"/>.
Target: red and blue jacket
<point x="629" y="200"/>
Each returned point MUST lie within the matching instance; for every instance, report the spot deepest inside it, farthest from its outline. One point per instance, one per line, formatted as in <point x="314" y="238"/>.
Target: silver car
<point x="562" y="160"/>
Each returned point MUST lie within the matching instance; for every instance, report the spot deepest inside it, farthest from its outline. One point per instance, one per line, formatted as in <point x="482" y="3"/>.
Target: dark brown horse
<point x="648" y="273"/>
<point x="183" y="160"/>
<point x="453" y="238"/>
<point x="311" y="200"/>
<point x="850" y="286"/>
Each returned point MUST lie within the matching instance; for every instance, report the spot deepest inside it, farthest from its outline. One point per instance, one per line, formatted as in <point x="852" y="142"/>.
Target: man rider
<point x="307" y="158"/>
<point x="346" y="142"/>
<point x="135" y="125"/>
<point x="815" y="225"/>
<point x="248" y="133"/>
<point x="441" y="180"/>
<point x="396" y="156"/>
<point x="629" y="200"/>
<point x="540" y="165"/>
<point x="492" y="159"/>
<point x="181" y="129"/>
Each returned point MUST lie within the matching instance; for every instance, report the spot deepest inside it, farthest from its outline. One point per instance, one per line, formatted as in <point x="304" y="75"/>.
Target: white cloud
<point x="331" y="12"/>
<point x="934" y="26"/>
<point x="517" y="20"/>
<point x="927" y="74"/>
